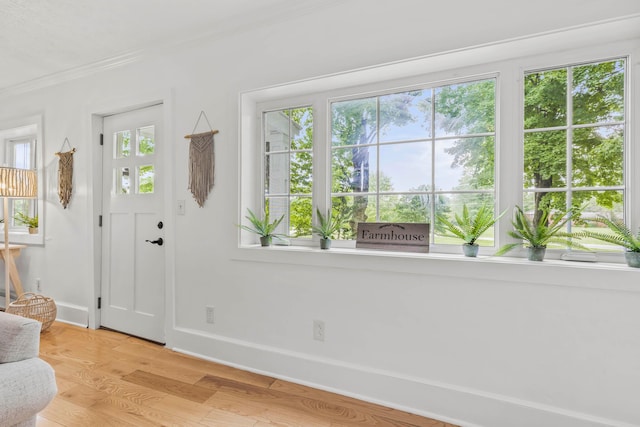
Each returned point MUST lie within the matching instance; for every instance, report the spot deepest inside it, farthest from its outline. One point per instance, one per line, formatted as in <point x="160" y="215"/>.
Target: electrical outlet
<point x="38" y="288"/>
<point x="210" y="314"/>
<point x="318" y="330"/>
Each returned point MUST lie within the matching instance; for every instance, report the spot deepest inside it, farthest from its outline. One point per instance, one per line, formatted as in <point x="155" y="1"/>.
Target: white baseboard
<point x="445" y="402"/>
<point x="72" y="314"/>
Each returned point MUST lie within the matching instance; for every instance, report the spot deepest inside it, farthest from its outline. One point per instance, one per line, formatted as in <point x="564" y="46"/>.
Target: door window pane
<point x="122" y="144"/>
<point x="122" y="181"/>
<point x="146" y="176"/>
<point x="145" y="140"/>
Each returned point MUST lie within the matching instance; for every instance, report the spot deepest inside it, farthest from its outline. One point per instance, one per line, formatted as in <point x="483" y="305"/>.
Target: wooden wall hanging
<point x="65" y="173"/>
<point x="201" y="162"/>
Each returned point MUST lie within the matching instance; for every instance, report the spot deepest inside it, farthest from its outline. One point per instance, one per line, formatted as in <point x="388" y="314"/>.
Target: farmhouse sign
<point x="389" y="236"/>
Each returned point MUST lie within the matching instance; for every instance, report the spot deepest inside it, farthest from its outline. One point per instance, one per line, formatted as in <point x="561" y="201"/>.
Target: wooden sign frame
<point x="391" y="236"/>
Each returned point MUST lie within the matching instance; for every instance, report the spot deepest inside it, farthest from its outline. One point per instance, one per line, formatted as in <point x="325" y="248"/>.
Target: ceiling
<point x="39" y="38"/>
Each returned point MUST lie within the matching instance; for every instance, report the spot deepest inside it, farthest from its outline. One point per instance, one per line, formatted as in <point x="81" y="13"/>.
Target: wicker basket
<point x="34" y="306"/>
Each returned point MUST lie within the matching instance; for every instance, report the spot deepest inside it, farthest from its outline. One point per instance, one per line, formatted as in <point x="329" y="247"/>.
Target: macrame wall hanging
<point x="201" y="161"/>
<point x="65" y="173"/>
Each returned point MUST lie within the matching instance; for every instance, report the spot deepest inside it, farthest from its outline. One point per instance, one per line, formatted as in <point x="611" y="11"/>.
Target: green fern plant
<point x="622" y="235"/>
<point x="545" y="231"/>
<point x="470" y="227"/>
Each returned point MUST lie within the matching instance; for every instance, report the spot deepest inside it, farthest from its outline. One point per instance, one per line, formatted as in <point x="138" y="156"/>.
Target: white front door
<point x="133" y="254"/>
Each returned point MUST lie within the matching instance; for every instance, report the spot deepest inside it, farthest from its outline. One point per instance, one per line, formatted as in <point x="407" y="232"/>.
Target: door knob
<point x="158" y="241"/>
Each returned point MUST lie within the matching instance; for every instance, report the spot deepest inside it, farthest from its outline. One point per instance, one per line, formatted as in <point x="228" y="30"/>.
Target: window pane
<point x="145" y="137"/>
<point x="598" y="92"/>
<point x="465" y="164"/>
<point x="354" y="209"/>
<point x="288" y="170"/>
<point x="122" y="144"/>
<point x="23" y="154"/>
<point x="405" y="116"/>
<point x="598" y="157"/>
<point x="535" y="202"/>
<point x="545" y="99"/>
<point x="277" y="173"/>
<point x="405" y="208"/>
<point x="276" y="131"/>
<point x="598" y="203"/>
<point x="351" y="169"/>
<point x="555" y="203"/>
<point x="301" y="128"/>
<point x="122" y="181"/>
<point x="545" y="159"/>
<point x="405" y="167"/>
<point x="451" y="204"/>
<point x="300" y="217"/>
<point x="146" y="177"/>
<point x="301" y="173"/>
<point x="354" y="122"/>
<point x="19" y="207"/>
<point x="277" y="207"/>
<point x="466" y="108"/>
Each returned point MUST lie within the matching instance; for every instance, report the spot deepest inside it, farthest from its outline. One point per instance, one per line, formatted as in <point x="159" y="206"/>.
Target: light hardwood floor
<point x="109" y="379"/>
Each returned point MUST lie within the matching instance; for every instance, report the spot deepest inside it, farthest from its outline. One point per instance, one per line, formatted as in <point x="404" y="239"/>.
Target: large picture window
<point x="528" y="132"/>
<point x="574" y="131"/>
<point x="407" y="156"/>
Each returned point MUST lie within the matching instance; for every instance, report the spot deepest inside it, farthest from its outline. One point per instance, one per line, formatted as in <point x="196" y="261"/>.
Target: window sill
<point x="22" y="238"/>
<point x="552" y="272"/>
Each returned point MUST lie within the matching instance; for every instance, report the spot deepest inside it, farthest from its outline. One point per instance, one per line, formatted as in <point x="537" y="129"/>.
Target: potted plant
<point x="262" y="227"/>
<point x="538" y="234"/>
<point x="470" y="227"/>
<point x="326" y="227"/>
<point x="622" y="236"/>
<point x="30" y="221"/>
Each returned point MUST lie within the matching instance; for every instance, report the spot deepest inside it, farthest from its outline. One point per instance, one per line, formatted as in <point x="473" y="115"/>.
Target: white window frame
<point x="287" y="194"/>
<point x="509" y="113"/>
<point x="28" y="127"/>
<point x="10" y="154"/>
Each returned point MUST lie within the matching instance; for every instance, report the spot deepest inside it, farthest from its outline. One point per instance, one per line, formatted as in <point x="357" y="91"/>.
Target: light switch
<point x="180" y="208"/>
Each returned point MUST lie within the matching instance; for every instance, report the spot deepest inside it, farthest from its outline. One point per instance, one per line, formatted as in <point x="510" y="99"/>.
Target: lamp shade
<point x="18" y="183"/>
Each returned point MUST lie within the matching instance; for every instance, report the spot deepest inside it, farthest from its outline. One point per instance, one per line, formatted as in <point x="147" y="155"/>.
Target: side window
<point x="21" y="154"/>
<point x="408" y="156"/>
<point x="288" y="169"/>
<point x="574" y="132"/>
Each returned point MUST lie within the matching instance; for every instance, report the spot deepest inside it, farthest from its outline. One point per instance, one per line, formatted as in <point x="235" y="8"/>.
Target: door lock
<point x="158" y="241"/>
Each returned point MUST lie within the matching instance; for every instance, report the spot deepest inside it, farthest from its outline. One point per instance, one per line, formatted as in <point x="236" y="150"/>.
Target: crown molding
<point x="608" y="30"/>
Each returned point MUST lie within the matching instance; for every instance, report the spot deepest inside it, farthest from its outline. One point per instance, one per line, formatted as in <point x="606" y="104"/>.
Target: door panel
<point x="133" y="281"/>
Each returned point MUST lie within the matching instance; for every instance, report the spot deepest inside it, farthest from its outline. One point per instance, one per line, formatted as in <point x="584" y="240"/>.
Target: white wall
<point x="485" y="342"/>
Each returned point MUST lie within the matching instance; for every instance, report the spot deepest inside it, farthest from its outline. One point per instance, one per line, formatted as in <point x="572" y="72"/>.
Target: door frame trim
<point x="95" y="114"/>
